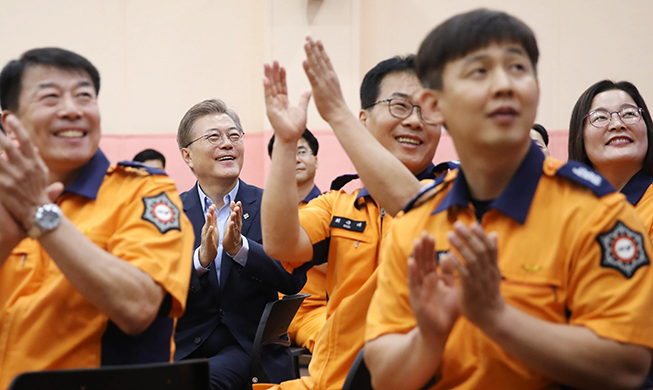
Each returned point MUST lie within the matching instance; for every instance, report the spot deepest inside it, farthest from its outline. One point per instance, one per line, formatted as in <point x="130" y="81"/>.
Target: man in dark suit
<point x="232" y="279"/>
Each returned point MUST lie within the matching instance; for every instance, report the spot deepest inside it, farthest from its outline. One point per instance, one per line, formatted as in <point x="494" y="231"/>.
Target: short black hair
<point x="540" y="129"/>
<point x="12" y="74"/>
<point x="370" y="87"/>
<point x="150" y="154"/>
<point x="307" y="135"/>
<point x="576" y="145"/>
<point x="464" y="33"/>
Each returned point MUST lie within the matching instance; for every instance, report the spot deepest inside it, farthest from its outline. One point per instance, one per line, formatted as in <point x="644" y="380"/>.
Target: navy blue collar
<point x="428" y="173"/>
<point x="516" y="198"/>
<point x="89" y="180"/>
<point x="315" y="192"/>
<point x="637" y="186"/>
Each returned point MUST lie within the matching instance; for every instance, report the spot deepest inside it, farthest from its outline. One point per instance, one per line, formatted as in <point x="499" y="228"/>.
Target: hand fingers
<point x="54" y="190"/>
<point x="304" y="99"/>
<point x="25" y="143"/>
<point x="473" y="245"/>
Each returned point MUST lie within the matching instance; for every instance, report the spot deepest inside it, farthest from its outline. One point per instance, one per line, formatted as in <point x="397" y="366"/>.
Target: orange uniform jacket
<point x="567" y="255"/>
<point x="46" y="324"/>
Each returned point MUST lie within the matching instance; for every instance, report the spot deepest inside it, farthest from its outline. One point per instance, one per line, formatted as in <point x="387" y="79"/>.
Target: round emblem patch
<point x="622" y="249"/>
<point x="160" y="211"/>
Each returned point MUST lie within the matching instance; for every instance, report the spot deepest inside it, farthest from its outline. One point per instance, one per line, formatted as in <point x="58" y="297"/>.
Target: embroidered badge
<point x="348" y="224"/>
<point x="161" y="212"/>
<point x="622" y="249"/>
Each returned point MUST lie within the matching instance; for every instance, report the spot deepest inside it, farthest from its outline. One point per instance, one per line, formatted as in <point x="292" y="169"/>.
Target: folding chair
<point x="273" y="329"/>
<point x="183" y="375"/>
<point x="358" y="377"/>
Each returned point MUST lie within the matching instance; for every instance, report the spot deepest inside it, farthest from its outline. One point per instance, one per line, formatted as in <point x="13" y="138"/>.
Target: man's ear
<point x="429" y="100"/>
<point x="8" y="129"/>
<point x="363" y="115"/>
<point x="317" y="163"/>
<point x="185" y="154"/>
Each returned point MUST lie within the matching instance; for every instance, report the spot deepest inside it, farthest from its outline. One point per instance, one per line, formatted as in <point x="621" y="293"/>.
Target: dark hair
<point x="576" y="147"/>
<point x="540" y="129"/>
<point x="307" y="135"/>
<point x="2" y="129"/>
<point x="203" y="108"/>
<point x="370" y="87"/>
<point x="12" y="75"/>
<point x="465" y="33"/>
<point x="150" y="154"/>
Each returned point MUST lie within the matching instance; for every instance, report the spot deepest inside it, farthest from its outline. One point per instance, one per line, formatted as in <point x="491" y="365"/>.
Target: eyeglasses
<point x="629" y="115"/>
<point x="402" y="109"/>
<point x="216" y="138"/>
<point x="302" y="152"/>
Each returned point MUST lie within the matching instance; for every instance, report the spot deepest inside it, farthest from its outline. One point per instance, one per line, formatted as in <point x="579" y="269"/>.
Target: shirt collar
<point x="315" y="192"/>
<point x="428" y="173"/>
<point x="637" y="186"/>
<point x="227" y="198"/>
<point x="516" y="198"/>
<point x="89" y="180"/>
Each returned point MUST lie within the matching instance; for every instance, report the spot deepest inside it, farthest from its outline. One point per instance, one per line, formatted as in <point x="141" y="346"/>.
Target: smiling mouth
<point x="410" y="141"/>
<point x="619" y="140"/>
<point x="225" y="158"/>
<point x="70" y="134"/>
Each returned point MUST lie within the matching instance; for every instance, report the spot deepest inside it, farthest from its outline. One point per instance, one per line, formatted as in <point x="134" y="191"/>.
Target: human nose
<point x="413" y="119"/>
<point x="69" y="108"/>
<point x="502" y="82"/>
<point x="616" y="123"/>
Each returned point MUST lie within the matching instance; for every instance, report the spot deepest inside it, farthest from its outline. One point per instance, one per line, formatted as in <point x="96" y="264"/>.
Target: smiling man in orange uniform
<point x="94" y="260"/>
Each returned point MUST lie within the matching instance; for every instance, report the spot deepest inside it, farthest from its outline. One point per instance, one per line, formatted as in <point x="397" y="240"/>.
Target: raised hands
<point x="210" y="238"/>
<point x="480" y="277"/>
<point x="328" y="96"/>
<point x="434" y="296"/>
<point x="288" y="121"/>
<point x="24" y="177"/>
<point x="233" y="240"/>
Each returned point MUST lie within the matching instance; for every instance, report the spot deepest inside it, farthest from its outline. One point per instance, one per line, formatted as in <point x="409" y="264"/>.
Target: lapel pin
<point x="246" y="215"/>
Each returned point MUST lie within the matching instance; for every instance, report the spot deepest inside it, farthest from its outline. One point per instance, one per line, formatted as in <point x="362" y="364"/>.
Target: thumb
<point x="304" y="99"/>
<point x="54" y="190"/>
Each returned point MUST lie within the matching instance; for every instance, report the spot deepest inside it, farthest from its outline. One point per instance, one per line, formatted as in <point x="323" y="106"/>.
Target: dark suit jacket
<point x="240" y="297"/>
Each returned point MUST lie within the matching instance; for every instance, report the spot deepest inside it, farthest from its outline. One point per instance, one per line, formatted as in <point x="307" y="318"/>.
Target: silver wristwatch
<point x="47" y="218"/>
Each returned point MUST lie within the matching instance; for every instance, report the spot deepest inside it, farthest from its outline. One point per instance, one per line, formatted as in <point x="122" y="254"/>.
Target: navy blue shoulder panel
<point x="149" y="169"/>
<point x="586" y="176"/>
<point x="409" y="206"/>
<point x="340" y="181"/>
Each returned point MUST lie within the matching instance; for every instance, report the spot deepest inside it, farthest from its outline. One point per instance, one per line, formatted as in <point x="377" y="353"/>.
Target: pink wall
<point x="332" y="159"/>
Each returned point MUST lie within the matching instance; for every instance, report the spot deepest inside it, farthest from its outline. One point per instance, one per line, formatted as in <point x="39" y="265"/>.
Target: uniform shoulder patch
<point x="622" y="249"/>
<point x="147" y="168"/>
<point x="585" y="176"/>
<point x="161" y="212"/>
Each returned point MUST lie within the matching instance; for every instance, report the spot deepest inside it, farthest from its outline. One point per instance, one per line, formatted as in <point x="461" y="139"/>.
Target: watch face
<point x="49" y="217"/>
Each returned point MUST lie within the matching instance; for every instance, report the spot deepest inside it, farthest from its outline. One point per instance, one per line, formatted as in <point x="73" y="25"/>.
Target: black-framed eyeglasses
<point x="402" y="109"/>
<point x="234" y="136"/>
<point x="600" y="118"/>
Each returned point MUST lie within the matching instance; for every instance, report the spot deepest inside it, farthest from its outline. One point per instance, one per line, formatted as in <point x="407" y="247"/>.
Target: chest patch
<point x="348" y="224"/>
<point x="622" y="249"/>
<point x="160" y="211"/>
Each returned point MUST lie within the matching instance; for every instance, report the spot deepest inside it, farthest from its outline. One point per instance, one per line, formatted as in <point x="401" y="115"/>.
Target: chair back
<point x="183" y="375"/>
<point x="358" y="377"/>
<point x="273" y="329"/>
